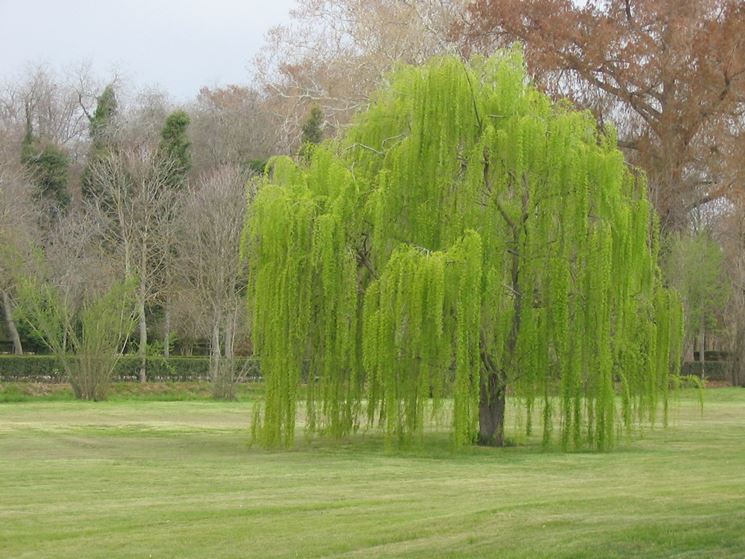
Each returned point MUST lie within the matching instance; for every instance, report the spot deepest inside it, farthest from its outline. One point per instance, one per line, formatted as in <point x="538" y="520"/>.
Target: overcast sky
<point x="176" y="45"/>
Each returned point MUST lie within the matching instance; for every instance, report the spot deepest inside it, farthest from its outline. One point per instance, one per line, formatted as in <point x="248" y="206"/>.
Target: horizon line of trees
<point x="100" y="185"/>
<point x="146" y="207"/>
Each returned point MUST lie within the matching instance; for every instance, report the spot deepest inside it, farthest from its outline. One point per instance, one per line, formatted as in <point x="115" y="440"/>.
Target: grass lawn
<point x="177" y="479"/>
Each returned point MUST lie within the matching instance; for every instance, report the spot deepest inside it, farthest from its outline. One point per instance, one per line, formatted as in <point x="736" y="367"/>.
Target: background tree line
<point x="122" y="213"/>
<point x="103" y="188"/>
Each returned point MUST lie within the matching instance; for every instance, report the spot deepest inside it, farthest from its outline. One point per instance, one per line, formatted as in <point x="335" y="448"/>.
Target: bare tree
<point x="334" y="53"/>
<point x="18" y="233"/>
<point x="213" y="214"/>
<point x="48" y="104"/>
<point x="230" y="126"/>
<point x="137" y="203"/>
<point x="141" y="118"/>
<point x="68" y="296"/>
<point x="670" y="75"/>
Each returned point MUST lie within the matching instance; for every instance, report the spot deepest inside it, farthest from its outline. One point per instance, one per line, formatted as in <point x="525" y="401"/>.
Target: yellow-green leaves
<point x="462" y="220"/>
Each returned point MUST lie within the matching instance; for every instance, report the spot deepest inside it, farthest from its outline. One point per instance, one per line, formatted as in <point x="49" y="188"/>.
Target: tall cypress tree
<point x="48" y="167"/>
<point x="466" y="239"/>
<point x="175" y="145"/>
<point x="102" y="130"/>
<point x="312" y="131"/>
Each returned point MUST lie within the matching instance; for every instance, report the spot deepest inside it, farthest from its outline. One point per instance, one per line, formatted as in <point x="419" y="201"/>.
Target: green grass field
<point x="178" y="479"/>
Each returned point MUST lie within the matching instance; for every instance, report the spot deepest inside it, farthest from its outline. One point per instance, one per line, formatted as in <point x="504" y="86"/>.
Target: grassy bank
<point x="178" y="479"/>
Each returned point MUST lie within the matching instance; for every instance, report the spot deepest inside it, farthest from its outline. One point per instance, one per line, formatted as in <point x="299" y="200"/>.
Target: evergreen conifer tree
<point x="175" y="145"/>
<point x="48" y="168"/>
<point x="102" y="129"/>
<point x="312" y="131"/>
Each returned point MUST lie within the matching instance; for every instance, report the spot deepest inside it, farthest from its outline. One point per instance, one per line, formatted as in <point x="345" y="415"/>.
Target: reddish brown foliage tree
<point x="670" y="74"/>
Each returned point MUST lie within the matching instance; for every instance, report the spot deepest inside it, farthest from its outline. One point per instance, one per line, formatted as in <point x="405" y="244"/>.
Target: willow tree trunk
<point x="491" y="411"/>
<point x="12" y="330"/>
<point x="493" y="389"/>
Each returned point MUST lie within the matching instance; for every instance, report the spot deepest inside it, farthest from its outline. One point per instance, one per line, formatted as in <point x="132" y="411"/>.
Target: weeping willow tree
<point x="467" y="238"/>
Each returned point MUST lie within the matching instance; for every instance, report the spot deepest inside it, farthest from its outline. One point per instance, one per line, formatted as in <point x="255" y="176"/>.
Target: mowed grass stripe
<point x="178" y="479"/>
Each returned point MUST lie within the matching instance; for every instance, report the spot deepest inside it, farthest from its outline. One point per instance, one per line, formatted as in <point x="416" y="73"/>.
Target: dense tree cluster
<point x="106" y="196"/>
<point x="103" y="188"/>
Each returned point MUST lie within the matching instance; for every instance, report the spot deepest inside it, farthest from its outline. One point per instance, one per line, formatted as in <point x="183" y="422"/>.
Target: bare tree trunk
<point x="143" y="297"/>
<point x="738" y="361"/>
<point x="229" y="343"/>
<point x="127" y="258"/>
<point x="167" y="331"/>
<point x="690" y="348"/>
<point x="12" y="330"/>
<point x="215" y="351"/>
<point x="142" y="349"/>
<point x="222" y="368"/>
<point x="702" y="354"/>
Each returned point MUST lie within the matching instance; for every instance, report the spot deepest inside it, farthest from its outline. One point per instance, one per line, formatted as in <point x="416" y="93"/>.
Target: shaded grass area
<point x="178" y="479"/>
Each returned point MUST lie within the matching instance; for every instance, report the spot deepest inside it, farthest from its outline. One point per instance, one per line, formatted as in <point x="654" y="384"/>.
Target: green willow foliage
<point x="465" y="226"/>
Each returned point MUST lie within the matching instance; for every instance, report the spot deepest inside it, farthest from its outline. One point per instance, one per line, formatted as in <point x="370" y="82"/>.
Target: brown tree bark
<point x="493" y="388"/>
<point x="491" y="411"/>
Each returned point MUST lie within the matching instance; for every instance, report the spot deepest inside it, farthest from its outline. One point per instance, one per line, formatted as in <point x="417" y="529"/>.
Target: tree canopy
<point x="670" y="74"/>
<point x="465" y="237"/>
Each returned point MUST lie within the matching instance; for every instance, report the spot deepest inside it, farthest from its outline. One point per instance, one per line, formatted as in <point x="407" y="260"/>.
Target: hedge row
<point x="45" y="368"/>
<point x="715" y="370"/>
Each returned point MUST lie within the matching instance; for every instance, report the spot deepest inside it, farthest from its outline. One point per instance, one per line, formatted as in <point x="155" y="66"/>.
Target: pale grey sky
<point x="176" y="45"/>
